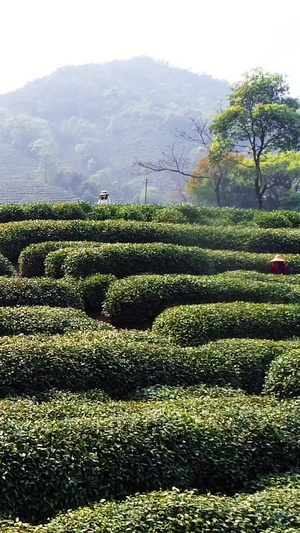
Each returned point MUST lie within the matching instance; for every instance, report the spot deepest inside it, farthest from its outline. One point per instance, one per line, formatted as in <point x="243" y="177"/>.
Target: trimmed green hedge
<point x="137" y="300"/>
<point x="283" y="378"/>
<point x="63" y="454"/>
<point x="127" y="258"/>
<point x="41" y="291"/>
<point x="32" y="258"/>
<point x="93" y="290"/>
<point x="15" y="236"/>
<point x="6" y="268"/>
<point x="120" y="363"/>
<point x="43" y="319"/>
<point x="44" y="211"/>
<point x="268" y="511"/>
<point x="191" y="325"/>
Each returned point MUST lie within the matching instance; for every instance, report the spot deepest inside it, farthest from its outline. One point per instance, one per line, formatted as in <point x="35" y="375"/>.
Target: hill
<point x="83" y="126"/>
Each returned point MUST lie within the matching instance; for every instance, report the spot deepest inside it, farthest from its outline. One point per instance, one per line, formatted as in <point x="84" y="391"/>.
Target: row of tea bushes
<point x="44" y="211"/>
<point x="122" y="363"/>
<point x="192" y="325"/>
<point x="32" y="258"/>
<point x="6" y="268"/>
<point x="123" y="259"/>
<point x="136" y="301"/>
<point x="283" y="378"/>
<point x="181" y="214"/>
<point x="42" y="291"/>
<point x="268" y="511"/>
<point x="259" y="276"/>
<point x="26" y="320"/>
<point x="61" y="454"/>
<point x="15" y="236"/>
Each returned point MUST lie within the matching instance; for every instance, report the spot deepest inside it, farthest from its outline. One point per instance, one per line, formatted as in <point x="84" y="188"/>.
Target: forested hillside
<point x="82" y="127"/>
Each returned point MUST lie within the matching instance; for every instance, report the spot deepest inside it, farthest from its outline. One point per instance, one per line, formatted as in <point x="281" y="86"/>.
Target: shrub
<point x="16" y="291"/>
<point x="269" y="511"/>
<point x="192" y="325"/>
<point x="122" y="363"/>
<point x="105" y="450"/>
<point x="127" y="258"/>
<point x="93" y="290"/>
<point x="136" y="301"/>
<point x="273" y="219"/>
<point x="39" y="319"/>
<point x="15" y="236"/>
<point x="6" y="268"/>
<point x="70" y="210"/>
<point x="283" y="378"/>
<point x="32" y="258"/>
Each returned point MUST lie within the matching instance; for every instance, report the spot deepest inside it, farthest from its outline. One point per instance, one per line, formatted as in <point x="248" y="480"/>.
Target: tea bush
<point x="14" y="236"/>
<point x="61" y="454"/>
<point x="191" y="325"/>
<point x="127" y="258"/>
<point x="32" y="258"/>
<point x="6" y="268"/>
<point x="121" y="363"/>
<point x="93" y="290"/>
<point x="136" y="301"/>
<point x="43" y="319"/>
<point x="44" y="211"/>
<point x="268" y="511"/>
<point x="283" y="378"/>
<point x="16" y="291"/>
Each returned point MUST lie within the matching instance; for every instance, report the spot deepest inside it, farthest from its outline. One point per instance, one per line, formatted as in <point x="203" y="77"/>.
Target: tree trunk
<point x="217" y="195"/>
<point x="258" y="185"/>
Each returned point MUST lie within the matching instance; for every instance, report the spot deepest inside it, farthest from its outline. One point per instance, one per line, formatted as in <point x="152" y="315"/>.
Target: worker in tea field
<point x="103" y="198"/>
<point x="279" y="265"/>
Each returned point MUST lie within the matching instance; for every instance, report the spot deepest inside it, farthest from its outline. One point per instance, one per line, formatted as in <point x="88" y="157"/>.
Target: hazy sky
<point x="223" y="38"/>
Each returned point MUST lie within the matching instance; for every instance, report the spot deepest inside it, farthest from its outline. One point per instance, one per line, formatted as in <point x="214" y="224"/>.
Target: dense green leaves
<point x="136" y="301"/>
<point x="191" y="325"/>
<point x="65" y="453"/>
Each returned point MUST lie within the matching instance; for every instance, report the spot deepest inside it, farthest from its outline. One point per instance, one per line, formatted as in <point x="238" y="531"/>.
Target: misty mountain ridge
<point x="84" y="126"/>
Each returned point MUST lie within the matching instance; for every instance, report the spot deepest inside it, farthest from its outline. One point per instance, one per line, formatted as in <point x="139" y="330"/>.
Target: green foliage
<point x="263" y="118"/>
<point x="283" y="378"/>
<point x="32" y="258"/>
<point x="269" y="511"/>
<point x="93" y="290"/>
<point x="44" y="211"/>
<point x="191" y="325"/>
<point x="137" y="300"/>
<point x="15" y="236"/>
<point x="16" y="291"/>
<point x="110" y="450"/>
<point x="43" y="319"/>
<point x="121" y="363"/>
<point x="6" y="268"/>
<point x="127" y="258"/>
<point x="274" y="219"/>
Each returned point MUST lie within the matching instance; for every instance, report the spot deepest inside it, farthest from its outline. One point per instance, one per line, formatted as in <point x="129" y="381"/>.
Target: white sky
<point x="223" y="38"/>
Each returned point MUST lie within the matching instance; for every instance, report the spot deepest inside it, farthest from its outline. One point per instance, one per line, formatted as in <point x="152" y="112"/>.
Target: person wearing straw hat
<point x="103" y="198"/>
<point x="279" y="265"/>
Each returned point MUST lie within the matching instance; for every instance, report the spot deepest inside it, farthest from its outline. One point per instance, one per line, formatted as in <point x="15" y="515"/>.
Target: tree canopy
<point x="261" y="118"/>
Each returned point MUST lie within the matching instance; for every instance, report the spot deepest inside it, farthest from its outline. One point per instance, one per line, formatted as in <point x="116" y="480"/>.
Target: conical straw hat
<point x="278" y="258"/>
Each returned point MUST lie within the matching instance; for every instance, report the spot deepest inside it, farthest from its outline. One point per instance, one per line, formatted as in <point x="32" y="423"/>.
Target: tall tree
<point x="261" y="118"/>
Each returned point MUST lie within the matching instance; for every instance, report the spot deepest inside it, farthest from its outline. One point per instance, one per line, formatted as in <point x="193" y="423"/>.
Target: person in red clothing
<point x="279" y="265"/>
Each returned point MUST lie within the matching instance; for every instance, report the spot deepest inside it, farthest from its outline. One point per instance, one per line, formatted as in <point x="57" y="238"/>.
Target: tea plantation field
<point x="149" y="370"/>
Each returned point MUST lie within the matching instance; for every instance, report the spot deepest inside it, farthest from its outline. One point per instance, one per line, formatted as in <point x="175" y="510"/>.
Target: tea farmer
<point x="279" y="265"/>
<point x="104" y="198"/>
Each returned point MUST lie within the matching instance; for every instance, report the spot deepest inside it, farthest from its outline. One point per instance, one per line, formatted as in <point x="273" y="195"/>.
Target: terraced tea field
<point x="178" y="410"/>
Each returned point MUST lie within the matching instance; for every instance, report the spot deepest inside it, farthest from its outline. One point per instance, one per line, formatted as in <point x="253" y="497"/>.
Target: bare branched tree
<point x="174" y="160"/>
